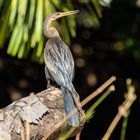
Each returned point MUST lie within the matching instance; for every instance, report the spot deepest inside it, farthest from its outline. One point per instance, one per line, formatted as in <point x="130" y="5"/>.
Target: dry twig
<point x="122" y="112"/>
<point x="85" y="101"/>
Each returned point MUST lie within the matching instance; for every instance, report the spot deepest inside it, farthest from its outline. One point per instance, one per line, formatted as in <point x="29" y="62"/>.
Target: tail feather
<point x="69" y="106"/>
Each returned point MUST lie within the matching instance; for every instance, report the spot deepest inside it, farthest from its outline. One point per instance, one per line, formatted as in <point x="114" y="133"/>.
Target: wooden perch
<point x="35" y="116"/>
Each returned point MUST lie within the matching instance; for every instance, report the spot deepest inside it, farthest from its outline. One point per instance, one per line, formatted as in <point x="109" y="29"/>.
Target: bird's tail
<point x="69" y="106"/>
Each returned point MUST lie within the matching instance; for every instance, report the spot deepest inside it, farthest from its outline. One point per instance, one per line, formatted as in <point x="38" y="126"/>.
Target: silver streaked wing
<point x="59" y="61"/>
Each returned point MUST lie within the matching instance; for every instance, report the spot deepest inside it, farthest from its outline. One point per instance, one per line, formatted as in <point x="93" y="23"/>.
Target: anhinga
<point x="60" y="65"/>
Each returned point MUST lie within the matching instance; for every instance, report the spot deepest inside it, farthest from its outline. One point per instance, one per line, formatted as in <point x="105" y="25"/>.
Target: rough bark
<point x="36" y="115"/>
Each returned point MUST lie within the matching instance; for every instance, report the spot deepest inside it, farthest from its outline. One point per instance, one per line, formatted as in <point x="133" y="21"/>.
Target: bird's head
<point x="51" y="31"/>
<point x="57" y="15"/>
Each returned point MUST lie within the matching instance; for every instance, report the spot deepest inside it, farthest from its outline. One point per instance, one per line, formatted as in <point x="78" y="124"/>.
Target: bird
<point x="59" y="66"/>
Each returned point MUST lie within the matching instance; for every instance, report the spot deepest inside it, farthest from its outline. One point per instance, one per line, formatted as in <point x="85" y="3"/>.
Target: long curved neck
<point x="50" y="31"/>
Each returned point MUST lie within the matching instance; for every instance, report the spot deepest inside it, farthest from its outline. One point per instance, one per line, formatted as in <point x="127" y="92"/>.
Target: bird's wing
<point x="68" y="58"/>
<point x="63" y="52"/>
<point x="59" y="61"/>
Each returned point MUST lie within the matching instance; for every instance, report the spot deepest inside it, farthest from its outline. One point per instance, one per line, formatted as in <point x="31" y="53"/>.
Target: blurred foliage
<point x="22" y="23"/>
<point x="123" y="25"/>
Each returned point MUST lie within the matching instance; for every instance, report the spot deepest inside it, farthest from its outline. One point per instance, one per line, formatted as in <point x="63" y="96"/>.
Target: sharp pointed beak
<point x="68" y="13"/>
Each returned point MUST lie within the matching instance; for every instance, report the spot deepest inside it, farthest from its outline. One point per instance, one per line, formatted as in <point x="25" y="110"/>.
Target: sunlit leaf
<point x="31" y="12"/>
<point x="22" y="8"/>
<point x="25" y="33"/>
<point x="13" y="7"/>
<point x="40" y="48"/>
<point x="48" y="8"/>
<point x="38" y="23"/>
<point x="25" y="19"/>
<point x="15" y="48"/>
<point x="21" y="51"/>
<point x="12" y="40"/>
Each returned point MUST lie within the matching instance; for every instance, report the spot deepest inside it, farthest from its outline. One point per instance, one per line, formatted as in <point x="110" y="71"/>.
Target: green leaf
<point x="1" y="3"/>
<point x="93" y="16"/>
<point x="56" y="3"/>
<point x="4" y="25"/>
<point x="48" y="7"/>
<point x="38" y="24"/>
<point x="97" y="7"/>
<point x="90" y="111"/>
<point x="71" y="25"/>
<point x="13" y="7"/>
<point x="12" y="40"/>
<point x="40" y="48"/>
<point x="31" y="13"/>
<point x="25" y="33"/>
<point x="21" y="51"/>
<point x="22" y="7"/>
<point x="17" y="42"/>
<point x="65" y="33"/>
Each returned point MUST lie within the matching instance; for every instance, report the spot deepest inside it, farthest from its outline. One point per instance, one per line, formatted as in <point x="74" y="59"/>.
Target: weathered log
<point x="35" y="116"/>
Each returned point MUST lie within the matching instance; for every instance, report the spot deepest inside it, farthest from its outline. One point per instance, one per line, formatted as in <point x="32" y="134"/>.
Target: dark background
<point x="111" y="49"/>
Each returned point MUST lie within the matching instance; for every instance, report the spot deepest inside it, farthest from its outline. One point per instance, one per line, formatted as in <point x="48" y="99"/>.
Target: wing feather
<point x="59" y="61"/>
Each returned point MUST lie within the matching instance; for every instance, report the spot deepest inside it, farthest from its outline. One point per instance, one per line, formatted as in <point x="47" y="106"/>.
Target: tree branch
<point x="34" y="116"/>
